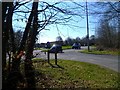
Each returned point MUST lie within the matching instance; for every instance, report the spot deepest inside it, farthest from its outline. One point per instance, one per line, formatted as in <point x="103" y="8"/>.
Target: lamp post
<point x="87" y="27"/>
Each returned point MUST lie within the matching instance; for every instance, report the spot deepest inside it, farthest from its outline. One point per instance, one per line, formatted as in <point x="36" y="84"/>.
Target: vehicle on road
<point x="76" y="46"/>
<point x="56" y="48"/>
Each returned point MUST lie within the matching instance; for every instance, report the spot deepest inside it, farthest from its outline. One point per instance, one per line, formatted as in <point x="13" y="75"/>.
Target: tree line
<point x="70" y="41"/>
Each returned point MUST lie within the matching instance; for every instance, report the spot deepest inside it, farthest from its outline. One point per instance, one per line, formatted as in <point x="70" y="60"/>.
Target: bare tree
<point x="18" y="38"/>
<point x="78" y="39"/>
<point x="106" y="35"/>
<point x="59" y="40"/>
<point x="37" y="18"/>
<point x="108" y="23"/>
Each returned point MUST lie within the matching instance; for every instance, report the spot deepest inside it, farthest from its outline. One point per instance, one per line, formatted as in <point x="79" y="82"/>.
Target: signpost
<point x="48" y="56"/>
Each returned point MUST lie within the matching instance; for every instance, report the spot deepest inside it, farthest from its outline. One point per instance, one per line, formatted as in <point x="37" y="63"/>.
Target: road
<point x="108" y="61"/>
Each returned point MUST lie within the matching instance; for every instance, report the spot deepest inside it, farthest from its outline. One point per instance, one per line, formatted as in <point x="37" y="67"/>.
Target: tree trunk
<point x="7" y="26"/>
<point x="16" y="60"/>
<point x="29" y="70"/>
<point x="4" y="34"/>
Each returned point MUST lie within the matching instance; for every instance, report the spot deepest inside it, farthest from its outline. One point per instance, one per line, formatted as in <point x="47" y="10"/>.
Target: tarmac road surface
<point x="108" y="61"/>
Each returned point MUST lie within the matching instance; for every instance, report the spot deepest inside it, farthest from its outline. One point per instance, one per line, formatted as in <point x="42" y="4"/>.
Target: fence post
<point x="55" y="58"/>
<point x="48" y="54"/>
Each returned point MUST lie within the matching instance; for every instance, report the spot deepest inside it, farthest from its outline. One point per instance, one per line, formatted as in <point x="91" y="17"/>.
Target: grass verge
<point x="66" y="47"/>
<point x="73" y="74"/>
<point x="63" y="47"/>
<point x="105" y="52"/>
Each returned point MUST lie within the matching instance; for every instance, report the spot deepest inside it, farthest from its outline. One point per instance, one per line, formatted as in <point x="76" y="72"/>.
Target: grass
<point x="73" y="74"/>
<point x="66" y="47"/>
<point x="105" y="52"/>
<point x="45" y="50"/>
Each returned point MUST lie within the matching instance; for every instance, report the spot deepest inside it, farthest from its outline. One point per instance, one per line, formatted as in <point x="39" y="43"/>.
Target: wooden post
<point x="55" y="58"/>
<point x="48" y="54"/>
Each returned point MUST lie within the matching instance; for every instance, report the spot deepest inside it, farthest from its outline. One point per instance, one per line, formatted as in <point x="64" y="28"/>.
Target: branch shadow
<point x="55" y="66"/>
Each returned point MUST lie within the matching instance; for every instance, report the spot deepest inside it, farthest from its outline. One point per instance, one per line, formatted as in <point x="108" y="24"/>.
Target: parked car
<point x="76" y="46"/>
<point x="56" y="48"/>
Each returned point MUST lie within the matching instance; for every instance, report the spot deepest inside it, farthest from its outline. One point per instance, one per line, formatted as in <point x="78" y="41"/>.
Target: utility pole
<point x="87" y="27"/>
